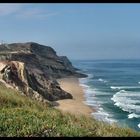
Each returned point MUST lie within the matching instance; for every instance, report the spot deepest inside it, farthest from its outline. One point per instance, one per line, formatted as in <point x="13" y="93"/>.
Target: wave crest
<point x="139" y="125"/>
<point x="133" y="115"/>
<point x="127" y="101"/>
<point x="102" y="80"/>
<point x="125" y="87"/>
<point x="101" y="115"/>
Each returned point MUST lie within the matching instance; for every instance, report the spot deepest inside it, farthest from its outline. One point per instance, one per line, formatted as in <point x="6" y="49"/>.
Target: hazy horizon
<point x="79" y="31"/>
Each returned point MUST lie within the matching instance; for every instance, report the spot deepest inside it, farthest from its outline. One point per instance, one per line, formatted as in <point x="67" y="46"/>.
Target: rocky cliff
<point x="33" y="69"/>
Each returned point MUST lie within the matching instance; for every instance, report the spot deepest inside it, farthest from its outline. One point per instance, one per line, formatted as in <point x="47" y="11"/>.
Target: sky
<point x="79" y="31"/>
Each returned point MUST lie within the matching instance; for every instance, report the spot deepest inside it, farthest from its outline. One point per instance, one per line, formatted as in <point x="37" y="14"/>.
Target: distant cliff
<point x="33" y="69"/>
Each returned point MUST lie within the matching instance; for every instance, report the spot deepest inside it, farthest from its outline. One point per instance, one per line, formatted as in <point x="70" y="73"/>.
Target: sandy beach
<point x="75" y="105"/>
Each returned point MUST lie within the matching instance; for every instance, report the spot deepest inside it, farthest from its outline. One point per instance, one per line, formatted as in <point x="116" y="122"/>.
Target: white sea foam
<point x="97" y="92"/>
<point x="139" y="125"/>
<point x="126" y="101"/>
<point x="90" y="95"/>
<point x="101" y="115"/>
<point x="86" y="80"/>
<point x="93" y="104"/>
<point x="124" y="87"/>
<point x="102" y="80"/>
<point x="89" y="92"/>
<point x="112" y="87"/>
<point x="124" y="93"/>
<point x="83" y="80"/>
<point x="84" y="86"/>
<point x="133" y="115"/>
<point x="91" y="100"/>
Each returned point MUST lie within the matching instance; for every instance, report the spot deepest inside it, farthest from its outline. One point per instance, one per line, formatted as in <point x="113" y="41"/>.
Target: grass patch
<point x="21" y="116"/>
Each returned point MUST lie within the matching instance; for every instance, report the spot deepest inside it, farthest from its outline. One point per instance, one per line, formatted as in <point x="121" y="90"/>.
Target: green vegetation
<point x="21" y="116"/>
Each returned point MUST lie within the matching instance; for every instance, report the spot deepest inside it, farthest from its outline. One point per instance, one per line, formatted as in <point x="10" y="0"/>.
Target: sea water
<point x="113" y="89"/>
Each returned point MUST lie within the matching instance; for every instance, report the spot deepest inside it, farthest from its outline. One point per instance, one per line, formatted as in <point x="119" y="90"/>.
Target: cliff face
<point x="33" y="68"/>
<point x="40" y="56"/>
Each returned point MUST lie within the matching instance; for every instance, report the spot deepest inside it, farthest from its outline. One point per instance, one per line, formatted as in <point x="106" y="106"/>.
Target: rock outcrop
<point x="68" y="65"/>
<point x="33" y="68"/>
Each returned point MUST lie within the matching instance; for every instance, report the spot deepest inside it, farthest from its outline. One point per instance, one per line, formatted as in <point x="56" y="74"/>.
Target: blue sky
<point x="79" y="31"/>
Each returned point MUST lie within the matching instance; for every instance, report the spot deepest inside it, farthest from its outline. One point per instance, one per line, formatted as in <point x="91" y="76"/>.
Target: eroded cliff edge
<point x="33" y="69"/>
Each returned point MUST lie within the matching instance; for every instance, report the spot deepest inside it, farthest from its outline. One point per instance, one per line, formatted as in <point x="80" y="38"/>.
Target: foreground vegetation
<point x="21" y="116"/>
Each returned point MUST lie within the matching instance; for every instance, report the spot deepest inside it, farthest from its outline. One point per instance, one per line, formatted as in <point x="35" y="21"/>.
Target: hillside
<point x="21" y="116"/>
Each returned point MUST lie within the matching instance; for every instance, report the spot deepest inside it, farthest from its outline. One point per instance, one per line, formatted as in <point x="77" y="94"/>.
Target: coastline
<point x="76" y="105"/>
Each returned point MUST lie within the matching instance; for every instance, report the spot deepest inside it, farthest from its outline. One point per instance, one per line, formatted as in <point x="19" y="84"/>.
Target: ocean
<point x="113" y="89"/>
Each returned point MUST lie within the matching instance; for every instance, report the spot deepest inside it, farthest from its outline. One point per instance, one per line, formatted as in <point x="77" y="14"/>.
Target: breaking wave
<point x="101" y="115"/>
<point x="91" y="100"/>
<point x="127" y="101"/>
<point x="102" y="80"/>
<point x="133" y="115"/>
<point x="139" y="125"/>
<point x="124" y="87"/>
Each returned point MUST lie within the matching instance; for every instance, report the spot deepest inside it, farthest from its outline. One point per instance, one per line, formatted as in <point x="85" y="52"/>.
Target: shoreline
<point x="76" y="105"/>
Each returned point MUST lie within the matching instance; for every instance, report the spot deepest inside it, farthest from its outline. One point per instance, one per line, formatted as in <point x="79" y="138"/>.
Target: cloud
<point x="7" y="9"/>
<point x="23" y="11"/>
<point x="35" y="13"/>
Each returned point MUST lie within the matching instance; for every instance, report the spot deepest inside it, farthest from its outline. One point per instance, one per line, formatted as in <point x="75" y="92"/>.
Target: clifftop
<point x="41" y="67"/>
<point x="44" y="56"/>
